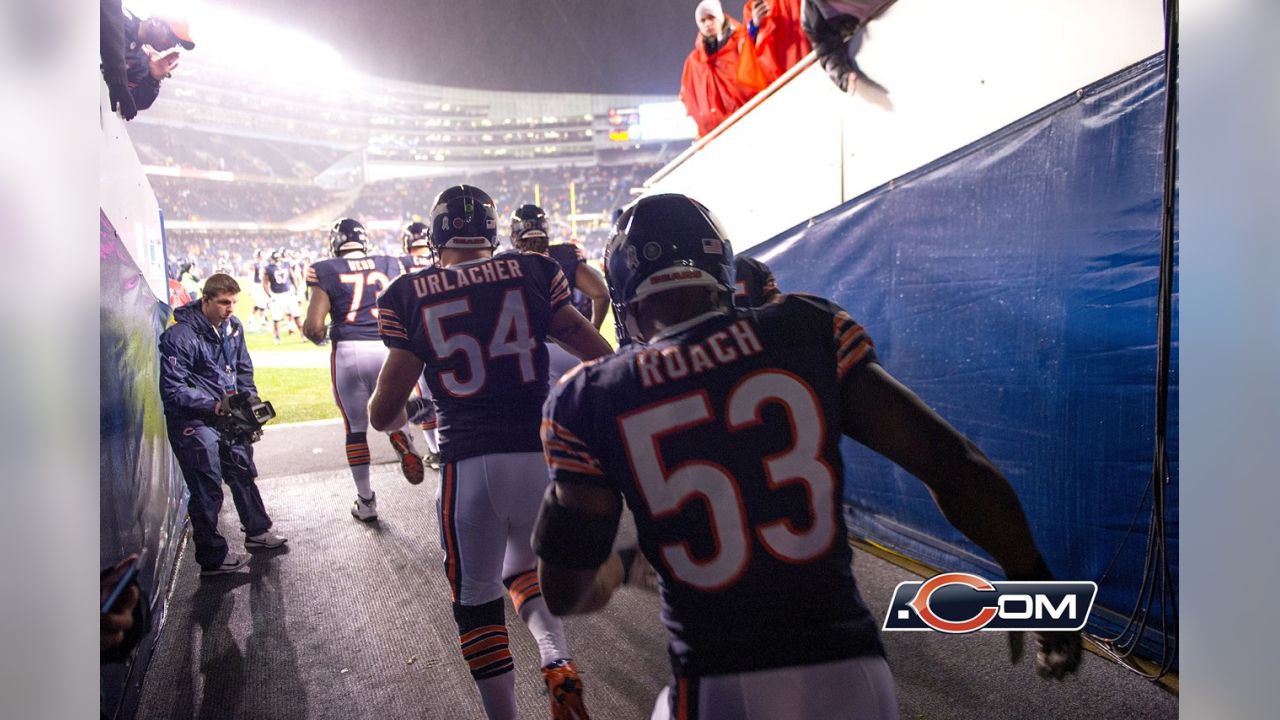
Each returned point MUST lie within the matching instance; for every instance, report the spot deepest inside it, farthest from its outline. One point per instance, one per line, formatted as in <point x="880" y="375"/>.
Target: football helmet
<point x="661" y="242"/>
<point x="348" y="235"/>
<point x="415" y="235"/>
<point x="463" y="217"/>
<point x="529" y="229"/>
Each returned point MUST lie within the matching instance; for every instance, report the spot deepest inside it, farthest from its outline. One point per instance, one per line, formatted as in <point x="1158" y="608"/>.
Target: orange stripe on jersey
<point x="560" y="430"/>
<point x="559" y="289"/>
<point x="556" y="447"/>
<point x="847" y="364"/>
<point x="575" y="467"/>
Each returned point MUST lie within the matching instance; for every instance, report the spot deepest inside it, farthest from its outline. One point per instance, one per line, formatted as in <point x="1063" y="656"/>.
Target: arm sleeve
<point x="560" y="294"/>
<point x="829" y="43"/>
<point x="854" y="349"/>
<point x="390" y="328"/>
<point x="244" y="367"/>
<point x="567" y="433"/>
<point x="114" y="69"/>
<point x="145" y="89"/>
<point x="175" y="368"/>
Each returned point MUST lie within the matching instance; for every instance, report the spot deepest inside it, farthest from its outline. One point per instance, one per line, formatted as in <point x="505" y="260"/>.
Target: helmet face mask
<point x="530" y="231"/>
<point x="463" y="217"/>
<point x="348" y="235"/>
<point x="416" y="235"/>
<point x="664" y="242"/>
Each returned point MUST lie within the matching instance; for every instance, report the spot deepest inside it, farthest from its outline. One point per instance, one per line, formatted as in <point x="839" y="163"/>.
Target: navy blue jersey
<point x="724" y="440"/>
<point x="480" y="329"/>
<point x="409" y="263"/>
<point x="279" y="277"/>
<point x="755" y="282"/>
<point x="570" y="256"/>
<point x="257" y="273"/>
<point x="353" y="286"/>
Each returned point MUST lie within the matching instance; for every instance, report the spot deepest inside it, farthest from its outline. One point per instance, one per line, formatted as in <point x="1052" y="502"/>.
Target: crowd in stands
<point x="597" y="190"/>
<point x="213" y="200"/>
<point x="197" y="150"/>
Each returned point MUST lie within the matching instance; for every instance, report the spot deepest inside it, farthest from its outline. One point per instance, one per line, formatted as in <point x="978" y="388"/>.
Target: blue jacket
<point x="142" y="86"/>
<point x="194" y="362"/>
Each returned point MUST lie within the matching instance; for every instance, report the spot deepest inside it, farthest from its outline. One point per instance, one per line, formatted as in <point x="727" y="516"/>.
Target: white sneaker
<point x="365" y="510"/>
<point x="231" y="563"/>
<point x="267" y="540"/>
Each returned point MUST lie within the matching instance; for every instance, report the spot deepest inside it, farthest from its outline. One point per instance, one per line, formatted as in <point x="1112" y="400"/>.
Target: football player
<point x="417" y="254"/>
<point x="416" y="246"/>
<point x="344" y="291"/>
<point x="720" y="427"/>
<point x="755" y="283"/>
<point x="277" y="282"/>
<point x="529" y="233"/>
<point x="477" y="325"/>
<point x="259" y="291"/>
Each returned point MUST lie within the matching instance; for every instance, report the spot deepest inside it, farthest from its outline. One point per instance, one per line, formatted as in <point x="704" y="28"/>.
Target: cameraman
<point x="203" y="362"/>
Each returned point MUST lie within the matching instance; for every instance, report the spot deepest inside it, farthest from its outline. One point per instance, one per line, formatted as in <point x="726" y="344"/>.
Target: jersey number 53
<point x="667" y="490"/>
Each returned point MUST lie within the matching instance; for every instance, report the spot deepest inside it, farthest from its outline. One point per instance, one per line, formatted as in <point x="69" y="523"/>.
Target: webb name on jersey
<point x="353" y="286"/>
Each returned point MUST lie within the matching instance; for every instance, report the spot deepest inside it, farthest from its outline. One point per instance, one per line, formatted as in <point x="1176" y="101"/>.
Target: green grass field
<point x="294" y="375"/>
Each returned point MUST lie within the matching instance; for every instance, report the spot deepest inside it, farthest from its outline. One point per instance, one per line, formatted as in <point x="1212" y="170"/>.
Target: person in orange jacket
<point x="776" y="38"/>
<point x="709" y="86"/>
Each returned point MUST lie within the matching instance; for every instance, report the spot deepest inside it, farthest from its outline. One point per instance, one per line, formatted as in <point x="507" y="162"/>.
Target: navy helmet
<point x="348" y="235"/>
<point x="463" y="217"/>
<point x="530" y="230"/>
<point x="415" y="235"/>
<point x="661" y="242"/>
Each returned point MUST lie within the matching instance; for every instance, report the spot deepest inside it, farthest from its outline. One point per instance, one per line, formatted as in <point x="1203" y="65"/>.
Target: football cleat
<point x="564" y="690"/>
<point x="410" y="461"/>
<point x="365" y="510"/>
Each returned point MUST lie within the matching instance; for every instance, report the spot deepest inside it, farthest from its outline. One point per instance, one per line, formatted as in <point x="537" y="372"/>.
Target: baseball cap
<point x="180" y="30"/>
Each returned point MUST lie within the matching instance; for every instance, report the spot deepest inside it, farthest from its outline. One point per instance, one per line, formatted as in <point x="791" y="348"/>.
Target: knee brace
<point x="523" y="587"/>
<point x="357" y="449"/>
<point x="482" y="632"/>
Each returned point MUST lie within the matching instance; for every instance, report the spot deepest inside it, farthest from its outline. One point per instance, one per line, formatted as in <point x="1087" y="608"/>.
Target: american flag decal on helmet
<point x="712" y="246"/>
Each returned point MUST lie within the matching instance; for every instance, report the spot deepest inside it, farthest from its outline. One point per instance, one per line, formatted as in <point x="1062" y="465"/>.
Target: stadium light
<point x="221" y="36"/>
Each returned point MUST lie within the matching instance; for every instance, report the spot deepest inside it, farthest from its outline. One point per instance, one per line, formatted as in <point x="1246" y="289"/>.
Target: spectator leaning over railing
<point x="775" y="40"/>
<point x="709" y="87"/>
<point x="831" y="25"/>
<point x="145" y="69"/>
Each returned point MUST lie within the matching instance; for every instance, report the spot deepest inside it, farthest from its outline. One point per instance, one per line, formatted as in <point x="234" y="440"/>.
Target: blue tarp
<point x="1013" y="285"/>
<point x="142" y="501"/>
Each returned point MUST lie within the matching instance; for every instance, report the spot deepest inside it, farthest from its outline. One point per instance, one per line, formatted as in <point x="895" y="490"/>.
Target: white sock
<point x="360" y="473"/>
<point x="499" y="696"/>
<point x="547" y="631"/>
<point x="432" y="444"/>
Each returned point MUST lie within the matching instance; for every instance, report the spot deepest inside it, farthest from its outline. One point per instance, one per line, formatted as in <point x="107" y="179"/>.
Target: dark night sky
<point x="613" y="46"/>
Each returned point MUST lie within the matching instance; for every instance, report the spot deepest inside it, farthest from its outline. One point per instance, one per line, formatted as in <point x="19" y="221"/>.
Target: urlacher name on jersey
<point x="450" y="279"/>
<point x="676" y="362"/>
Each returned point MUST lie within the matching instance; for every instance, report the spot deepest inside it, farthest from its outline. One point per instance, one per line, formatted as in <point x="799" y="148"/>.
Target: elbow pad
<point x="571" y="538"/>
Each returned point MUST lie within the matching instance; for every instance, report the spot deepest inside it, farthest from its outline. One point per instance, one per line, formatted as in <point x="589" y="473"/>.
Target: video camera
<point x="243" y="416"/>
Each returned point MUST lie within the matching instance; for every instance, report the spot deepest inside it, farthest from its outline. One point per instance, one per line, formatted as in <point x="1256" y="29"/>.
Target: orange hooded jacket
<point x="780" y="43"/>
<point x="709" y="86"/>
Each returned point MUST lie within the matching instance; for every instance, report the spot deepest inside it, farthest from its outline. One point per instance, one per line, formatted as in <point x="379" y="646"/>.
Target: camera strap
<point x="229" y="367"/>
